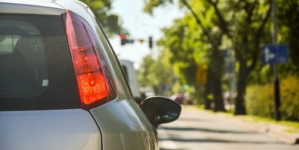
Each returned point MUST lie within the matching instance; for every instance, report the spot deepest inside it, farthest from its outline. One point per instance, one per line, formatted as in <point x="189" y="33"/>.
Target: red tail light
<point x="92" y="82"/>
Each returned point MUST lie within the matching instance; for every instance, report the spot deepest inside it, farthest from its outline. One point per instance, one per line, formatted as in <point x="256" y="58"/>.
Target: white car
<point x="61" y="85"/>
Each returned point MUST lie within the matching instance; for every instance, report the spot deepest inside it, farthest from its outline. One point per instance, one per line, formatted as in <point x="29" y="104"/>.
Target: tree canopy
<point x="211" y="26"/>
<point x="110" y="22"/>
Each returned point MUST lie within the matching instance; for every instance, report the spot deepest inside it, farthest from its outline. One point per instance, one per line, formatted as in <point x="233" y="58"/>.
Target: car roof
<point x="46" y="3"/>
<point x="46" y="7"/>
<point x="30" y="7"/>
<point x="26" y="1"/>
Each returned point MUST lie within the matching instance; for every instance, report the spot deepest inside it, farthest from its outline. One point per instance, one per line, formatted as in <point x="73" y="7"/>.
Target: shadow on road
<point x="196" y="119"/>
<point x="210" y="140"/>
<point x="207" y="130"/>
<point x="171" y="149"/>
<point x="178" y="137"/>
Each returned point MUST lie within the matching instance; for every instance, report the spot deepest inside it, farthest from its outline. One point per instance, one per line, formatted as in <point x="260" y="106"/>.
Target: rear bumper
<point x="72" y="129"/>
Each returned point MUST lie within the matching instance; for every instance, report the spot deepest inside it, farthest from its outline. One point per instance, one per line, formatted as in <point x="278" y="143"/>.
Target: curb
<point x="273" y="130"/>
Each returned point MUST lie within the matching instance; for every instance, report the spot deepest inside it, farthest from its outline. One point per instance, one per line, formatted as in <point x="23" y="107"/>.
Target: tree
<point x="247" y="37"/>
<point x="244" y="25"/>
<point x="212" y="37"/>
<point x="287" y="20"/>
<point x="155" y="73"/>
<point x="288" y="33"/>
<point x="109" y="22"/>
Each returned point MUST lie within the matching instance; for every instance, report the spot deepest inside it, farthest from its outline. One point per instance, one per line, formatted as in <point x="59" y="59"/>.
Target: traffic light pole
<point x="275" y="68"/>
<point x="124" y="40"/>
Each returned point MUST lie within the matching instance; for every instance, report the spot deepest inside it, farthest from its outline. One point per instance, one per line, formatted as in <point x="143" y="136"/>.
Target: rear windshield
<point x="36" y="71"/>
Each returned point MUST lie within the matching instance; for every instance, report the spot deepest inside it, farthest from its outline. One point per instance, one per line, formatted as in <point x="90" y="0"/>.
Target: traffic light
<point x="150" y="42"/>
<point x="122" y="39"/>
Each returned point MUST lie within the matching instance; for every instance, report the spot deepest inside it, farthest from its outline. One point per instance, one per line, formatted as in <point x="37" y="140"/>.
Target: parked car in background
<point x="130" y="73"/>
<point x="146" y="92"/>
<point x="182" y="98"/>
<point x="62" y="87"/>
<point x="178" y="97"/>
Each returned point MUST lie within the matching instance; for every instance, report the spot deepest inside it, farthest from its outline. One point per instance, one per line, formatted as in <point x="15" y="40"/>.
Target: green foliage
<point x="177" y="88"/>
<point x="288" y="33"/>
<point x="243" y="26"/>
<point x="287" y="19"/>
<point x="260" y="100"/>
<point x="155" y="72"/>
<point x="181" y="50"/>
<point x="109" y="22"/>
<point x="187" y="46"/>
<point x="144" y="71"/>
<point x="290" y="98"/>
<point x="151" y="4"/>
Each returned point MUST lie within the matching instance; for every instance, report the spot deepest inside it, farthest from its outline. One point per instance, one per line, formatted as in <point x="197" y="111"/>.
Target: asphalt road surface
<point x="196" y="130"/>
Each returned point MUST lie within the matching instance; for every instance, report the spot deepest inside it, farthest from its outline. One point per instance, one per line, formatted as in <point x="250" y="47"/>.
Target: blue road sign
<point x="274" y="54"/>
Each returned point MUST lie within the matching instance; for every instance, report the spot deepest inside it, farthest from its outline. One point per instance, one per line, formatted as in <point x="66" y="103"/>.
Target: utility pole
<point x="275" y="68"/>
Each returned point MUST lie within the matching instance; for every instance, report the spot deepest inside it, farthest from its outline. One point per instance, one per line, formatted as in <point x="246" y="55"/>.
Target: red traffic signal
<point x="122" y="39"/>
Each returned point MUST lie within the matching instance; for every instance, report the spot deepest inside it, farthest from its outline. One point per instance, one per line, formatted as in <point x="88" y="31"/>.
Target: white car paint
<point x="72" y="129"/>
<point x="121" y="122"/>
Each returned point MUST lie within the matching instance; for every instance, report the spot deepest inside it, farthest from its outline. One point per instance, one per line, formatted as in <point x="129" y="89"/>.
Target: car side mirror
<point x="160" y="110"/>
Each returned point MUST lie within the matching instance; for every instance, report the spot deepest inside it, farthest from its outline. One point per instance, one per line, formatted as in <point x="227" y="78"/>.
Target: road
<point x="197" y="130"/>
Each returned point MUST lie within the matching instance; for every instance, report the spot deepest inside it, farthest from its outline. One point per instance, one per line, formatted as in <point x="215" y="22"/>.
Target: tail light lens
<point x="93" y="77"/>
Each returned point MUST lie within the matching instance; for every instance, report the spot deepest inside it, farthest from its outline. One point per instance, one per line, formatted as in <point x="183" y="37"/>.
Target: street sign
<point x="274" y="54"/>
<point x="201" y="75"/>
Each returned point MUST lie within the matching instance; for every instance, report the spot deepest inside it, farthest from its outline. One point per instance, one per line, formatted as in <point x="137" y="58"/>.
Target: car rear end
<point x="60" y="84"/>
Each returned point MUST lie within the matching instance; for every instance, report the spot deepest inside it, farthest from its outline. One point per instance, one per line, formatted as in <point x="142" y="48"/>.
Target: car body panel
<point x="49" y="129"/>
<point x="122" y="122"/>
<point x="135" y="124"/>
<point x="79" y="8"/>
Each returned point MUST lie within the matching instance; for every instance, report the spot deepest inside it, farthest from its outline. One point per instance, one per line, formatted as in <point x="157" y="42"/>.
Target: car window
<point x="36" y="70"/>
<point x="8" y="43"/>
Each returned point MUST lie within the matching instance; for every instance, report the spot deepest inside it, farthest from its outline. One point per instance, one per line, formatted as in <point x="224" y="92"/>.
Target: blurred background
<point x="223" y="55"/>
<point x="239" y="57"/>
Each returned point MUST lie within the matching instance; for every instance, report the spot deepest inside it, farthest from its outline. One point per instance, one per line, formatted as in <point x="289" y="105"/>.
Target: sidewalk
<point x="276" y="131"/>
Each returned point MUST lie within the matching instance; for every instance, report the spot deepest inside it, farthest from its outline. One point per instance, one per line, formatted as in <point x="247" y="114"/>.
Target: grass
<point x="269" y="120"/>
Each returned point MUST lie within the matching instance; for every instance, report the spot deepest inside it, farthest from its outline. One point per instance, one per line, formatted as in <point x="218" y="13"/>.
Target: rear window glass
<point x="8" y="43"/>
<point x="36" y="70"/>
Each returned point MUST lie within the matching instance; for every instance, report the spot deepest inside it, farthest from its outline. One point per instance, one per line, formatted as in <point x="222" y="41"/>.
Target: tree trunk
<point x="240" y="108"/>
<point x="216" y="74"/>
<point x="217" y="92"/>
<point x="207" y="89"/>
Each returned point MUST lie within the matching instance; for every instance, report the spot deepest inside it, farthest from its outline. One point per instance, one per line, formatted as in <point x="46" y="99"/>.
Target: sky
<point x="140" y="26"/>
